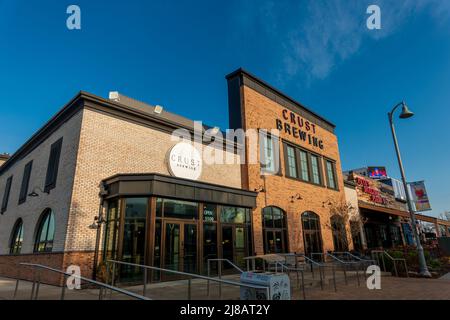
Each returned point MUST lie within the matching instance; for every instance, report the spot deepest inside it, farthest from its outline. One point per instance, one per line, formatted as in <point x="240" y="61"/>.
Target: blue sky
<point x="176" y="53"/>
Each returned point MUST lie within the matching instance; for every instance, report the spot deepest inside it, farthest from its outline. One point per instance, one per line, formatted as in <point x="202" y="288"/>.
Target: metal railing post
<point x="334" y="278"/>
<point x="63" y="291"/>
<point x="220" y="277"/>
<point x="16" y="289"/>
<point x="209" y="275"/>
<point x="34" y="284"/>
<point x="345" y="274"/>
<point x="321" y="277"/>
<point x="38" y="285"/>
<point x="395" y="267"/>
<point x="144" y="291"/>
<point x="113" y="278"/>
<point x="303" y="286"/>
<point x="357" y="275"/>
<point x="189" y="288"/>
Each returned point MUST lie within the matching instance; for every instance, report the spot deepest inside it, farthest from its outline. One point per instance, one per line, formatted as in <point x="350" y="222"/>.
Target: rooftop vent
<point x="114" y="95"/>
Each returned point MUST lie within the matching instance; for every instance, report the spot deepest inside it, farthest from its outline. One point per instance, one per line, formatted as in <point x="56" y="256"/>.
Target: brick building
<point x="384" y="213"/>
<point x="303" y="181"/>
<point x="158" y="203"/>
<point x="3" y="158"/>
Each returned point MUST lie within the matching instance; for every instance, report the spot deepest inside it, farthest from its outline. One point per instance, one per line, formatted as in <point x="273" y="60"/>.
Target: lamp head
<point x="406" y="113"/>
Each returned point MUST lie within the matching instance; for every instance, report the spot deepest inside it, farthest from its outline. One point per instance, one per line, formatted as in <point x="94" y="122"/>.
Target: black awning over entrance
<point x="159" y="185"/>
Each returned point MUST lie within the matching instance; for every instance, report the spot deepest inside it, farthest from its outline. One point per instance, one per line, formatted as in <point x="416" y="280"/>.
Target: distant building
<point x="3" y="158"/>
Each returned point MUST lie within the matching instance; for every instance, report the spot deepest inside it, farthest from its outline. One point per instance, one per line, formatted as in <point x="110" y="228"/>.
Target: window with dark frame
<point x="46" y="232"/>
<point x="17" y="238"/>
<point x="53" y="165"/>
<point x="331" y="174"/>
<point x="304" y="165"/>
<point x="291" y="164"/>
<point x="275" y="235"/>
<point x="269" y="153"/>
<point x="315" y="170"/>
<point x="25" y="182"/>
<point x="6" y="195"/>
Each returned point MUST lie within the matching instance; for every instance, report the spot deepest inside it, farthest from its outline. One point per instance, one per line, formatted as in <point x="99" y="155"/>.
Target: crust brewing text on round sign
<point x="185" y="161"/>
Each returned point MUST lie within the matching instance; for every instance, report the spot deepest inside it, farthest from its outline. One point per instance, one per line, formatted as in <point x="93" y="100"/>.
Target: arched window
<point x="311" y="233"/>
<point x="274" y="230"/>
<point x="17" y="238"/>
<point x="339" y="233"/>
<point x="45" y="232"/>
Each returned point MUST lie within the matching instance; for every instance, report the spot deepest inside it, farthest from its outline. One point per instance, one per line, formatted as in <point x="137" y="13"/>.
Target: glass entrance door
<point x="233" y="244"/>
<point x="180" y="247"/>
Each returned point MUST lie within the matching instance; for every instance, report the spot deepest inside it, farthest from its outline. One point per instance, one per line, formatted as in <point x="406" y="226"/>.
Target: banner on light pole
<point x="419" y="196"/>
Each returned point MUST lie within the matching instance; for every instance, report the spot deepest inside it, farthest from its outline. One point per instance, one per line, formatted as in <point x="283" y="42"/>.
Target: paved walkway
<point x="391" y="289"/>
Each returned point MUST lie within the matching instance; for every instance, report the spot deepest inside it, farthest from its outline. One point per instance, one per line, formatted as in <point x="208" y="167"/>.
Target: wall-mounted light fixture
<point x="296" y="197"/>
<point x="34" y="193"/>
<point x="260" y="189"/>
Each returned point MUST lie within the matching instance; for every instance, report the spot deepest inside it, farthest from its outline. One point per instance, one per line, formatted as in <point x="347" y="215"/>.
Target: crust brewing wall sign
<point x="185" y="161"/>
<point x="299" y="128"/>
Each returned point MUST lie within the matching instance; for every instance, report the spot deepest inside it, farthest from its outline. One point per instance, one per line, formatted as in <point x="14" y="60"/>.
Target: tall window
<point x="45" y="232"/>
<point x="274" y="230"/>
<point x="6" y="194"/>
<point x="311" y="233"/>
<point x="268" y="153"/>
<point x="291" y="162"/>
<point x="53" y="165"/>
<point x="339" y="233"/>
<point x="112" y="231"/>
<point x="304" y="165"/>
<point x="315" y="169"/>
<point x="17" y="238"/>
<point x="331" y="174"/>
<point x="25" y="182"/>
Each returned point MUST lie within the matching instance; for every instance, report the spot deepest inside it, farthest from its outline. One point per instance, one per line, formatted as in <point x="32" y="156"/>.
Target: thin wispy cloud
<point x="316" y="36"/>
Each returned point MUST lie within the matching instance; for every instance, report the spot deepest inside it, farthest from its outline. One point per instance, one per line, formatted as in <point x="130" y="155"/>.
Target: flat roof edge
<point x="263" y="83"/>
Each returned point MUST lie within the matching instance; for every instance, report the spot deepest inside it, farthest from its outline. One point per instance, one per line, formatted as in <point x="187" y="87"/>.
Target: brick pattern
<point x="260" y="112"/>
<point x="58" y="199"/>
<point x="10" y="265"/>
<point x="109" y="146"/>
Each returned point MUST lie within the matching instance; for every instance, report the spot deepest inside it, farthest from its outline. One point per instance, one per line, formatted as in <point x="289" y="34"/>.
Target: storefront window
<point x="133" y="244"/>
<point x="209" y="212"/>
<point x="311" y="233"/>
<point x="209" y="244"/>
<point x="111" y="231"/>
<point x="180" y="209"/>
<point x="233" y="215"/>
<point x="274" y="230"/>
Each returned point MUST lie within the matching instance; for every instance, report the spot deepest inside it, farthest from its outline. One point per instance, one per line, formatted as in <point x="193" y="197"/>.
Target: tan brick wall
<point x="109" y="146"/>
<point x="261" y="112"/>
<point x="58" y="199"/>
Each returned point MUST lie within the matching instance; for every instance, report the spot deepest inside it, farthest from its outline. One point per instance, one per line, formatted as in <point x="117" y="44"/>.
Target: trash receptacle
<point x="279" y="286"/>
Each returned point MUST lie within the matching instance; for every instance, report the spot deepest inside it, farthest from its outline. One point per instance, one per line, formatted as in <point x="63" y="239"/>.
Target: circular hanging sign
<point x="185" y="161"/>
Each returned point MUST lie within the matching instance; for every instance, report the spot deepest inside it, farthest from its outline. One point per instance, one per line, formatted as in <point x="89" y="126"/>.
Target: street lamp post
<point x="406" y="113"/>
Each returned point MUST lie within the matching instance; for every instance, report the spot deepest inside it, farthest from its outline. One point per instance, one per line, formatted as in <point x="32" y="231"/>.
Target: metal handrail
<point x="219" y="264"/>
<point x="296" y="270"/>
<point x="345" y="264"/>
<point x="37" y="283"/>
<point x="394" y="261"/>
<point x="189" y="275"/>
<point x="320" y="265"/>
